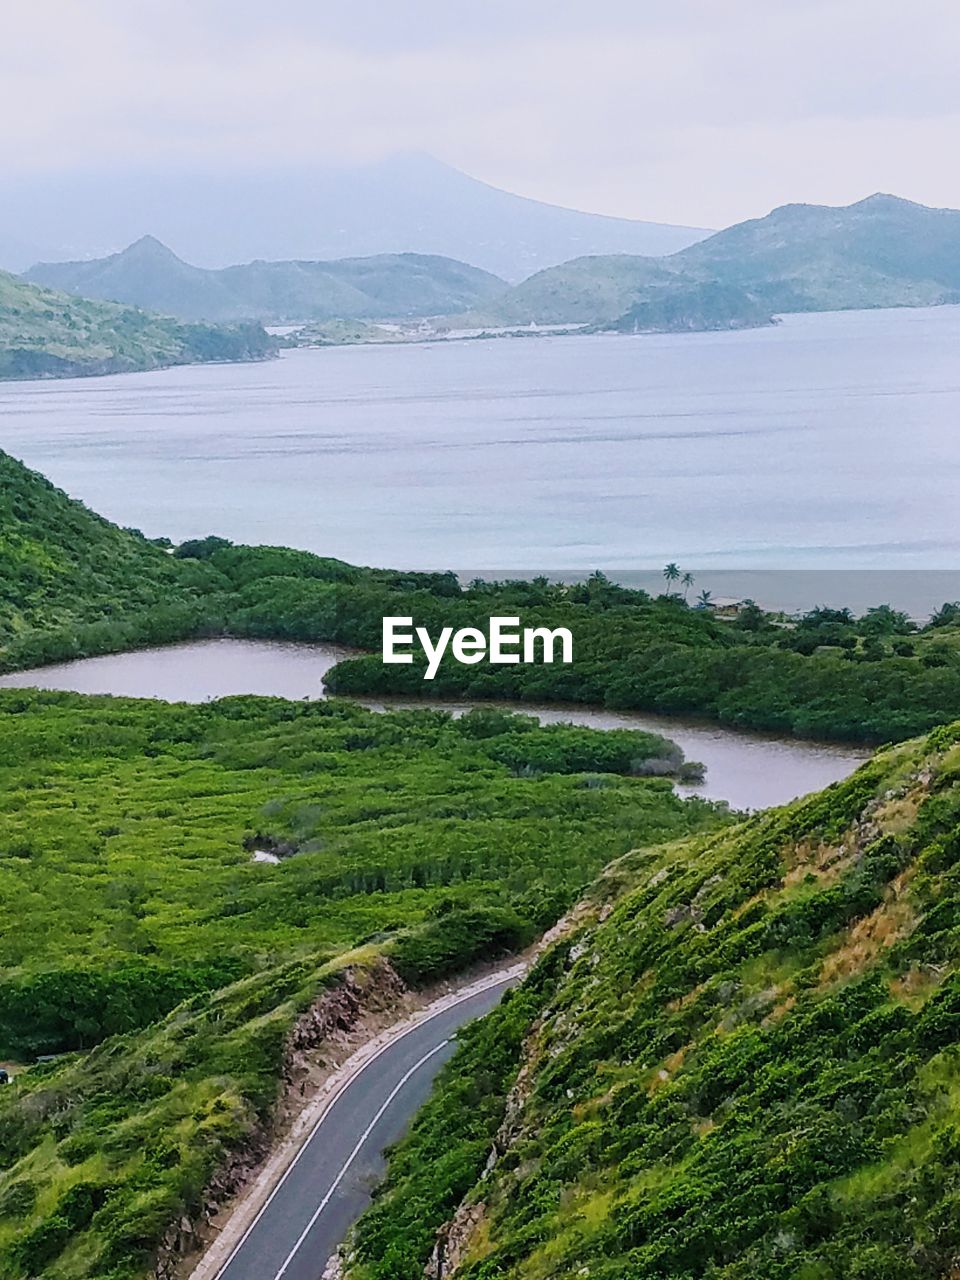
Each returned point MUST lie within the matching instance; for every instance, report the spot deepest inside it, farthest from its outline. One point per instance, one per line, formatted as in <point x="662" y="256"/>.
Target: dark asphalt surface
<point x="343" y="1159"/>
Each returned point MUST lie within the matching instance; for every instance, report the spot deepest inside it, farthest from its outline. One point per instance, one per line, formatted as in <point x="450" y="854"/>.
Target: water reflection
<point x="748" y="770"/>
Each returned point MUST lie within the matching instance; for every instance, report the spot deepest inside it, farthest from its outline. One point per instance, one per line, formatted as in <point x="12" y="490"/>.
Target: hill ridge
<point x="882" y="251"/>
<point x="377" y="287"/>
<point x="407" y="201"/>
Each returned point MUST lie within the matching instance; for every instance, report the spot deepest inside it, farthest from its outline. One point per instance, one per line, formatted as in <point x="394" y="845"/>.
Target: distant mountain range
<point x="879" y="252"/>
<point x="406" y="203"/>
<point x="386" y="286"/>
<point x="44" y="334"/>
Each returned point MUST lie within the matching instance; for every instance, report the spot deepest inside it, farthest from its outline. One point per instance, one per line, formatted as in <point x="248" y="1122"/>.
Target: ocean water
<point x="831" y="442"/>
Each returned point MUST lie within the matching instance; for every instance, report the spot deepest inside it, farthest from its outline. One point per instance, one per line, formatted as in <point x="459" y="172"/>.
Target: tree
<point x="705" y="600"/>
<point x="947" y="614"/>
<point x="872" y="649"/>
<point x="672" y="573"/>
<point x="750" y="617"/>
<point x="882" y="620"/>
<point x="201" y="548"/>
<point x="938" y="655"/>
<point x="687" y="582"/>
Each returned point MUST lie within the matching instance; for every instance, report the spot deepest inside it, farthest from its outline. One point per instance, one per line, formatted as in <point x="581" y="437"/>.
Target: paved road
<point x="328" y="1186"/>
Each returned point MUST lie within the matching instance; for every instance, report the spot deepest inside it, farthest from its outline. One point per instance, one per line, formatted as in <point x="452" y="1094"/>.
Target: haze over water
<point x="828" y="442"/>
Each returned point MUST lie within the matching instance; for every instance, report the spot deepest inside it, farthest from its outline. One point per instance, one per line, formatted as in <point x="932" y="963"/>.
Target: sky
<point x="688" y="111"/>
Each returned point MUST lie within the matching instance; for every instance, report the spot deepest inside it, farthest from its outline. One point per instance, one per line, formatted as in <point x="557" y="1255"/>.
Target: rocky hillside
<point x="880" y="252"/>
<point x="45" y="334"/>
<point x="742" y="1060"/>
<point x="386" y="286"/>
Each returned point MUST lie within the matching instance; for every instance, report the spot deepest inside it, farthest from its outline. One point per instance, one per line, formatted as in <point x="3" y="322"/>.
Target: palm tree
<point x="687" y="581"/>
<point x="671" y="572"/>
<point x="704" y="599"/>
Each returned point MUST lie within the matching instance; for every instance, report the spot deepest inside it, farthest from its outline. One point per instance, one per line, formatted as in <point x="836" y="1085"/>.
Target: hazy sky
<point x="690" y="111"/>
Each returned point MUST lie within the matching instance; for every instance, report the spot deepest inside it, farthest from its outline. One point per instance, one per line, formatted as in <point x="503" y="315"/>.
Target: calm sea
<point x="830" y="442"/>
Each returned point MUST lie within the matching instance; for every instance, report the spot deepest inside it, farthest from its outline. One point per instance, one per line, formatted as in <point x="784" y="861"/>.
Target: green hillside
<point x="697" y="308"/>
<point x="45" y="334"/>
<point x="879" y="252"/>
<point x="134" y="917"/>
<point x="591" y="290"/>
<point x="383" y="287"/>
<point x="742" y="1061"/>
<point x="878" y="678"/>
<point x="64" y="569"/>
<point x="61" y="562"/>
<point x="73" y="585"/>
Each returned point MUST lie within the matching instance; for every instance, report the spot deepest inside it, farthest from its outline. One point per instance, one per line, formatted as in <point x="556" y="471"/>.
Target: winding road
<point x="328" y="1185"/>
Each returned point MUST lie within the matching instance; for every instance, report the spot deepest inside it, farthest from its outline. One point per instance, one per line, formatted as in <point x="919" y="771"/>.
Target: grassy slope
<point x="127" y="887"/>
<point x="48" y="334"/>
<point x="103" y="1153"/>
<point x="880" y="252"/>
<point x="590" y="290"/>
<point x="63" y="568"/>
<point x="751" y="1067"/>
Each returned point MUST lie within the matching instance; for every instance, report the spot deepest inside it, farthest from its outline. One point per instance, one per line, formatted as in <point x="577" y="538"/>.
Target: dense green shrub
<point x="745" y="1069"/>
<point x="72" y="585"/>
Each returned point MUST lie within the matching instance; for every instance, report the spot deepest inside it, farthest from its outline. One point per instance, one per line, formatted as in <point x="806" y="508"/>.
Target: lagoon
<point x="749" y="771"/>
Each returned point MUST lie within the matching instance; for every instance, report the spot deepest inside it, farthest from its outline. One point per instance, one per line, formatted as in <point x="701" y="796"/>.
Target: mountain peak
<point x="151" y="248"/>
<point x="879" y="201"/>
<point x="884" y="200"/>
<point x="319" y="211"/>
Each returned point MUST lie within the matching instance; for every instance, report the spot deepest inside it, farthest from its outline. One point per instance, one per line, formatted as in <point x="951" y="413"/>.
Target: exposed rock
<point x="278" y="847"/>
<point x="334" y="1268"/>
<point x="453" y="1240"/>
<point x="327" y="1023"/>
<point x="180" y="1239"/>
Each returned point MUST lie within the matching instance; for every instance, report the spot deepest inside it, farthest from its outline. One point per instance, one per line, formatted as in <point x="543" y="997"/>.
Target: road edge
<point x="249" y="1207"/>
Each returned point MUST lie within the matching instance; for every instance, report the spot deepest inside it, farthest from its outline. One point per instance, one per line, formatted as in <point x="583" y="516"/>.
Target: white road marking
<point x="500" y="979"/>
<point x="354" y="1153"/>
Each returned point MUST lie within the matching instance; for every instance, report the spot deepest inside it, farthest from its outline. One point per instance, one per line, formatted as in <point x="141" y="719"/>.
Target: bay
<point x="825" y="444"/>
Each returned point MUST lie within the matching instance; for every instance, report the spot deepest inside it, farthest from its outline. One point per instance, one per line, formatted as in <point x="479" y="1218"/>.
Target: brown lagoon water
<point x="749" y="771"/>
